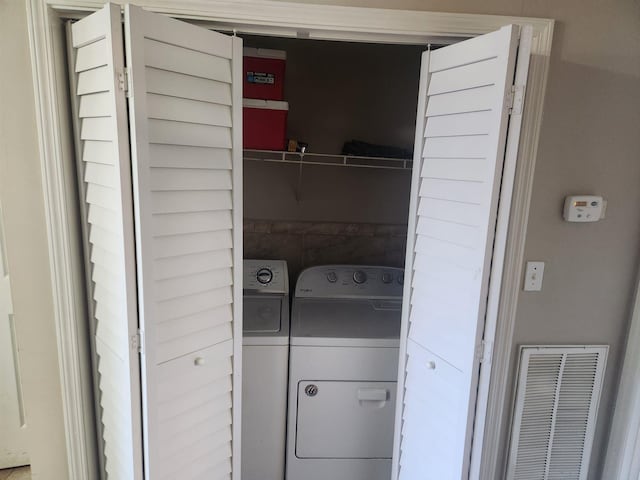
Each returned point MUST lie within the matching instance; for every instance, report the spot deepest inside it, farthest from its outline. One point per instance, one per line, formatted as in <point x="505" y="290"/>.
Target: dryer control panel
<point x="350" y="281"/>
<point x="266" y="276"/>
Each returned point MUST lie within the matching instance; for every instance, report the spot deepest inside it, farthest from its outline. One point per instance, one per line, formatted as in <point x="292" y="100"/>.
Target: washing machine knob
<point x="264" y="276"/>
<point x="387" y="277"/>
<point x="401" y="279"/>
<point x="359" y="277"/>
<point x="332" y="277"/>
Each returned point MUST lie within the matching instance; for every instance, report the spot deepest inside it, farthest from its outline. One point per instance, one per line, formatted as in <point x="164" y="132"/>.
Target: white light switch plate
<point x="533" y="276"/>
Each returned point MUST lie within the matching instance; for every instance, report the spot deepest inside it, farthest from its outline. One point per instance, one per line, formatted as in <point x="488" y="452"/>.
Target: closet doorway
<point x="132" y="54"/>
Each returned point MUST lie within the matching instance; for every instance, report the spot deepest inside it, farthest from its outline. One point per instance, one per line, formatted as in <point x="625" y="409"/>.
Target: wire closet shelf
<point x="329" y="160"/>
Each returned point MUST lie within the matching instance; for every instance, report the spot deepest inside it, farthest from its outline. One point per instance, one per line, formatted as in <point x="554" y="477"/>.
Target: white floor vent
<point x="555" y="412"/>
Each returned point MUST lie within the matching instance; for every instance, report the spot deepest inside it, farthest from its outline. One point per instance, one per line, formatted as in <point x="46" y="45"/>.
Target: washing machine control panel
<point x="350" y="281"/>
<point x="268" y="276"/>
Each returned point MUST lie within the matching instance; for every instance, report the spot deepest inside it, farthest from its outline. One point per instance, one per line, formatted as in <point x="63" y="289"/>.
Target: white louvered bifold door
<point x="461" y="132"/>
<point x="555" y="412"/>
<point x="98" y="88"/>
<point x="185" y="105"/>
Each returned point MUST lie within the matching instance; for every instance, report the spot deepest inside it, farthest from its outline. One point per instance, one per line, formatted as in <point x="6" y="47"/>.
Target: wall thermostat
<point x="584" y="208"/>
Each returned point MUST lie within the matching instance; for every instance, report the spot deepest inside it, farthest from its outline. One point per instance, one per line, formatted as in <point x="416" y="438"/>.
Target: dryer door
<point x="338" y="419"/>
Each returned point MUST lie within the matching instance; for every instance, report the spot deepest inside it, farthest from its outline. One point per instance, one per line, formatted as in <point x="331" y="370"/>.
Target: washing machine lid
<point x="346" y="322"/>
<point x="262" y="314"/>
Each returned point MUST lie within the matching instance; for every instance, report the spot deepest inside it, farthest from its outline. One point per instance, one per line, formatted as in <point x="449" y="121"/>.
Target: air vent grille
<point x="555" y="412"/>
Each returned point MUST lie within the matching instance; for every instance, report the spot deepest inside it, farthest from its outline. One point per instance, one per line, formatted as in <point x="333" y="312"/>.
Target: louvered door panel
<point x="459" y="154"/>
<point x="185" y="132"/>
<point x="435" y="390"/>
<point x="182" y="200"/>
<point x="555" y="413"/>
<point x="190" y="398"/>
<point x="464" y="124"/>
<point x="97" y="57"/>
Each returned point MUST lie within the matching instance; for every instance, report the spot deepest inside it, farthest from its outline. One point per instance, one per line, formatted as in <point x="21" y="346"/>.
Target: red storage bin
<point x="264" y="73"/>
<point x="264" y="124"/>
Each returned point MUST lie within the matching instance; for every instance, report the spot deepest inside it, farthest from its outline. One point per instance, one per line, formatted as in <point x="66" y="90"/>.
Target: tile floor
<point x="20" y="473"/>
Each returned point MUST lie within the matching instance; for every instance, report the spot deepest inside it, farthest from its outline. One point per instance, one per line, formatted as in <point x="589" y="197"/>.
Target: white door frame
<point x="623" y="452"/>
<point x="287" y="20"/>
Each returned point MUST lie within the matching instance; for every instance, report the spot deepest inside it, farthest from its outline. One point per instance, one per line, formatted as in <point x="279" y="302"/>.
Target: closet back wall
<point x="336" y="92"/>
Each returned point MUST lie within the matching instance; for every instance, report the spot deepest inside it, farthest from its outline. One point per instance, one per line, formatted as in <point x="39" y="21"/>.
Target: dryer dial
<point x="359" y="277"/>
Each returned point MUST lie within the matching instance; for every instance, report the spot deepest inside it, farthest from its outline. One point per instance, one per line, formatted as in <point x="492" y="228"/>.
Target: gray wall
<point x="21" y="196"/>
<point x="326" y="194"/>
<point x="590" y="142"/>
<point x="341" y="91"/>
<point x="336" y="92"/>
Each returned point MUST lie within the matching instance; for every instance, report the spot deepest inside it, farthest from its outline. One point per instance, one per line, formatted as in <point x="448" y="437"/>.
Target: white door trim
<point x="501" y="245"/>
<point x="284" y="19"/>
<point x="66" y="264"/>
<point x="623" y="452"/>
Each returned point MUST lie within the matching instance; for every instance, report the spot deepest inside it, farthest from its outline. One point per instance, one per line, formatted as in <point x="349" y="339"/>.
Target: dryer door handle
<point x="373" y="394"/>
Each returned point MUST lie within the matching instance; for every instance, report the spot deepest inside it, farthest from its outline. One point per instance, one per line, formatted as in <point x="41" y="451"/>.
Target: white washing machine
<point x="265" y="358"/>
<point x="345" y="329"/>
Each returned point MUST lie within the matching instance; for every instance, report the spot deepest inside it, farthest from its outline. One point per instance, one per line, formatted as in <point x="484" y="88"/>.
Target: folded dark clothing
<point x="364" y="149"/>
